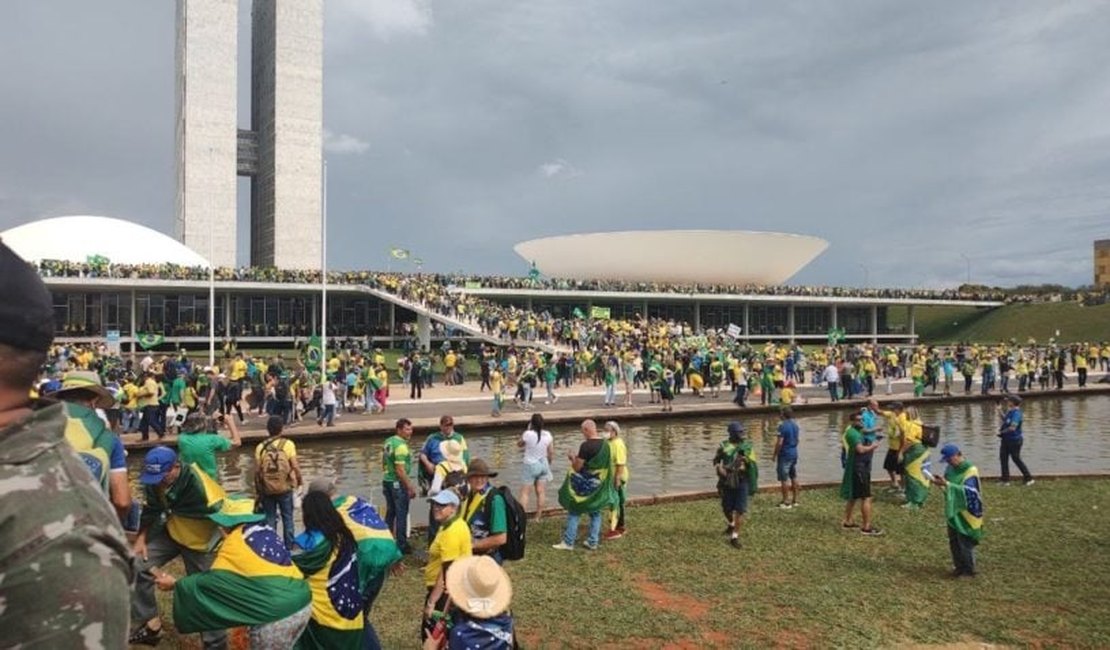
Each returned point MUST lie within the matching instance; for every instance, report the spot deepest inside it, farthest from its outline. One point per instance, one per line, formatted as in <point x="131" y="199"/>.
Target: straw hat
<point x="452" y="451"/>
<point x="478" y="586"/>
<point x="88" y="381"/>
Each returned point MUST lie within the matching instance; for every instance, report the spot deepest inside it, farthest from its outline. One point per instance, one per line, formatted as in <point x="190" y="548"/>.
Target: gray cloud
<point x="906" y="135"/>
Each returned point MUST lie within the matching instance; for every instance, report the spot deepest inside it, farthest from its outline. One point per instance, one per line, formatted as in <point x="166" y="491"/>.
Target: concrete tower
<point x="280" y="152"/>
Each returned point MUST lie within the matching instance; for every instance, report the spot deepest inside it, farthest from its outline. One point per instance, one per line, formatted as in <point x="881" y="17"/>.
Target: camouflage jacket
<point x="65" y="567"/>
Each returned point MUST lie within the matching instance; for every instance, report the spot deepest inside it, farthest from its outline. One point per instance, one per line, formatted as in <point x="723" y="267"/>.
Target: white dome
<point x="677" y="256"/>
<point x="76" y="238"/>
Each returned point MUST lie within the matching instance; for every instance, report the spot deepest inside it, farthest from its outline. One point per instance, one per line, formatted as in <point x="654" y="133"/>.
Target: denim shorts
<point x="735" y="499"/>
<point x="533" y="472"/>
<point x="786" y="469"/>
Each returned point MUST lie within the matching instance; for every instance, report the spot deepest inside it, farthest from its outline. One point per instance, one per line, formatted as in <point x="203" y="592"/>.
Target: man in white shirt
<point x="831" y="378"/>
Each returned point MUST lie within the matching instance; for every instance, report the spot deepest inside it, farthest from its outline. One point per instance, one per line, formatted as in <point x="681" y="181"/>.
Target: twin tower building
<point x="280" y="152"/>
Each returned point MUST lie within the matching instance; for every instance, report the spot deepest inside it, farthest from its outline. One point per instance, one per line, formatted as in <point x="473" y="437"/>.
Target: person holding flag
<point x="587" y="488"/>
<point x="253" y="582"/>
<point x="963" y="509"/>
<point x="915" y="457"/>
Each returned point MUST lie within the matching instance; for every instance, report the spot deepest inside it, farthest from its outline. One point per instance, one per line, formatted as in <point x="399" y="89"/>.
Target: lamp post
<point x="967" y="260"/>
<point x="324" y="276"/>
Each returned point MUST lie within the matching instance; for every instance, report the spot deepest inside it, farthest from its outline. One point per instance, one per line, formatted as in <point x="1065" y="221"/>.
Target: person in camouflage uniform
<point x="63" y="556"/>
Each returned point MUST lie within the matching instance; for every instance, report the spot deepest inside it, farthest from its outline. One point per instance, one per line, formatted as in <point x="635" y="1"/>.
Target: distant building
<point x="1102" y="263"/>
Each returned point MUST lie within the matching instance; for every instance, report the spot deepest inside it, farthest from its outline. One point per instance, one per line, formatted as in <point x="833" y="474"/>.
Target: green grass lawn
<point x="802" y="581"/>
<point x="1019" y="321"/>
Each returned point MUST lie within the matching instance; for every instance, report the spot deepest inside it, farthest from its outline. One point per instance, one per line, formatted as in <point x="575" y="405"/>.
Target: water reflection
<point x="1065" y="435"/>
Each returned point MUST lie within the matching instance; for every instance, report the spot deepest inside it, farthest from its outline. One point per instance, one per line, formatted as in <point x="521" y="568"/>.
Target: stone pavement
<point x="471" y="409"/>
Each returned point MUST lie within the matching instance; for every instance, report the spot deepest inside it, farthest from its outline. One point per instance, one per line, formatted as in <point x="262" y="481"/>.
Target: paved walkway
<point x="471" y="409"/>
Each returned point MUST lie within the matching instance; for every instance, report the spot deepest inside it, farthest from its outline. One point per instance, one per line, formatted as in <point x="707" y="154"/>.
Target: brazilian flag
<point x="591" y="489"/>
<point x="915" y="460"/>
<point x="377" y="551"/>
<point x="148" y="340"/>
<point x="337" y="601"/>
<point x="92" y="441"/>
<point x="314" y="353"/>
<point x="963" y="500"/>
<point x="253" y="581"/>
<point x="399" y="253"/>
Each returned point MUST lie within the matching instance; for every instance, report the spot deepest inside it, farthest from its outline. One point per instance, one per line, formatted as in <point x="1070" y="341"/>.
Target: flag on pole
<point x="578" y="313"/>
<point x="417" y="261"/>
<point x="399" y="253"/>
<point x="836" y="335"/>
<point x="314" y="353"/>
<point x="148" y="340"/>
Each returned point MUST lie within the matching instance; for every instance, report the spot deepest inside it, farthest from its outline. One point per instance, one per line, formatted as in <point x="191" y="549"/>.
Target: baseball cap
<point x="445" y="498"/>
<point x="735" y="427"/>
<point x="948" y="451"/>
<point x="26" y="308"/>
<point x="157" y="463"/>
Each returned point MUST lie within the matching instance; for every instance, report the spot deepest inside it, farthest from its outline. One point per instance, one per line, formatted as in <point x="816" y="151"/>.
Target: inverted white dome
<point x="674" y="256"/>
<point x="76" y="238"/>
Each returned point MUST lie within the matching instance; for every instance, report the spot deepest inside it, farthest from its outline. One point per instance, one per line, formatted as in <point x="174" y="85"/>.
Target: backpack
<point x="516" y="523"/>
<point x="274" y="476"/>
<point x="281" y="391"/>
<point x="930" y="435"/>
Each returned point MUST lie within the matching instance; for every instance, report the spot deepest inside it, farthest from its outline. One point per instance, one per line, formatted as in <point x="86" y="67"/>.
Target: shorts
<point x="787" y="470"/>
<point x="861" y="484"/>
<point x="734" y="499"/>
<point x="890" y="463"/>
<point x="533" y="472"/>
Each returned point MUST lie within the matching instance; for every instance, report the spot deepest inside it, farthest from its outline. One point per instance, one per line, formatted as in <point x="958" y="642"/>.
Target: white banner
<point x="733" y="330"/>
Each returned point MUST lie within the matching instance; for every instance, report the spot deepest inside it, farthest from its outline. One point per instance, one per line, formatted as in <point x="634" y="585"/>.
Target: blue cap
<point x="157" y="463"/>
<point x="735" y="427"/>
<point x="445" y="498"/>
<point x="948" y="451"/>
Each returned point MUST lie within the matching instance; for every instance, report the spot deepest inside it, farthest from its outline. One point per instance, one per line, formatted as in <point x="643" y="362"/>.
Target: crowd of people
<point x="417" y="283"/>
<point x="245" y="565"/>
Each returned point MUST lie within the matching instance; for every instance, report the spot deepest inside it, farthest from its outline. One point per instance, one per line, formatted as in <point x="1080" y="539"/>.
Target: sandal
<point x="851" y="525"/>
<point x="145" y="636"/>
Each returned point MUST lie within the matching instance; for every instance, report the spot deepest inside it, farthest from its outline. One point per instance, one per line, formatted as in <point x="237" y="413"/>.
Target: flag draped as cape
<point x="917" y="486"/>
<point x="591" y="489"/>
<point x="252" y="582"/>
<point x="963" y="500"/>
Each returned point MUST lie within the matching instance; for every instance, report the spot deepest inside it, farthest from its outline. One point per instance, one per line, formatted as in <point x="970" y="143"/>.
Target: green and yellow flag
<point x="148" y="340"/>
<point x="314" y="353"/>
<point x="963" y="500"/>
<point x="591" y="489"/>
<point x="599" y="313"/>
<point x="253" y="581"/>
<point x="399" y="253"/>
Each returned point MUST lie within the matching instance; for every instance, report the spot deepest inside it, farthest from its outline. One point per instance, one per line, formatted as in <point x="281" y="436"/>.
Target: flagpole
<point x="324" y="277"/>
<point x="211" y="302"/>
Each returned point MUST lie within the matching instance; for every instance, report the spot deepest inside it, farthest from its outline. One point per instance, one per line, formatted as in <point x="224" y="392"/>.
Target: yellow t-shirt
<point x="150" y="387"/>
<point x="495" y="381"/>
<point x="238" y="370"/>
<point x="290" y="449"/>
<point x="619" y="453"/>
<point x="130" y="391"/>
<point x="451" y="543"/>
<point x="786" y="396"/>
<point x="449" y="360"/>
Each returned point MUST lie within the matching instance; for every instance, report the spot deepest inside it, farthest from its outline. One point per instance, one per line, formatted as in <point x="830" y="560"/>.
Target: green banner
<point x="473" y="284"/>
<point x="578" y="313"/>
<point x="314" y="353"/>
<point x="148" y="340"/>
<point x="599" y="313"/>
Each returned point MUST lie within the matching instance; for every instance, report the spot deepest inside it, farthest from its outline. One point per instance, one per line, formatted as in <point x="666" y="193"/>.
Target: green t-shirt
<point x="201" y="448"/>
<point x="396" y="452"/>
<point x="176" y="391"/>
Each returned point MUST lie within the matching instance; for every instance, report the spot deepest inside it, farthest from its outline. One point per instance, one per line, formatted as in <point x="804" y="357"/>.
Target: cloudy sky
<point x="911" y="136"/>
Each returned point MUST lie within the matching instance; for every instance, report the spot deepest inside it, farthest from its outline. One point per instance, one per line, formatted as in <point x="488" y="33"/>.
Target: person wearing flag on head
<point x="587" y="488"/>
<point x="347" y="552"/>
<point x="963" y="509"/>
<point x="252" y="583"/>
<point x="178" y="500"/>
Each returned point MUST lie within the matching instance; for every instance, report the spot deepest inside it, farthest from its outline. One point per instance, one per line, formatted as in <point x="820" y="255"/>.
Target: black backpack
<point x="516" y="523"/>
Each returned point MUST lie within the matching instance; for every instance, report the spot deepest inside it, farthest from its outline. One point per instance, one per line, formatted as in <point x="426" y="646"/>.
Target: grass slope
<point x="801" y="581"/>
<point x="1019" y="321"/>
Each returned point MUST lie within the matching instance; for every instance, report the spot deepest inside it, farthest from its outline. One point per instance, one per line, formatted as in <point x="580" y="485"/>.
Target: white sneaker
<point x="1029" y="482"/>
<point x="562" y="546"/>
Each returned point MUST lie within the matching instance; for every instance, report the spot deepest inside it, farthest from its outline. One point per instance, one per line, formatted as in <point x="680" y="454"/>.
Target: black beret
<point x="26" y="309"/>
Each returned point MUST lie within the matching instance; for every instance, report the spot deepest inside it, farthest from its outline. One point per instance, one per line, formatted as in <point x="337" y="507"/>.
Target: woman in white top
<point x="537" y="445"/>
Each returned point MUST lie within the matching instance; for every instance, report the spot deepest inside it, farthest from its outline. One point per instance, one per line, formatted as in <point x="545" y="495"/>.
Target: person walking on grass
<point x="736" y="475"/>
<point x="856" y="484"/>
<point x="536" y="442"/>
<point x="963" y="509"/>
<point x="620" y="479"/>
<point x="785" y="457"/>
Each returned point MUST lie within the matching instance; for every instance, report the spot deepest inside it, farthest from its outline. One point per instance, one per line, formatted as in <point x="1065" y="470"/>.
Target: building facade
<point x="1102" y="263"/>
<point x="280" y="152"/>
